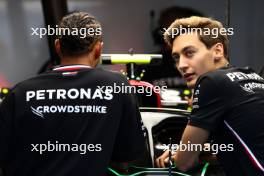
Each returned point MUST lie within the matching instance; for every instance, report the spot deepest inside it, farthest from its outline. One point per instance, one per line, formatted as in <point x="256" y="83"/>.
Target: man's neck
<point x="78" y="60"/>
<point x="222" y="63"/>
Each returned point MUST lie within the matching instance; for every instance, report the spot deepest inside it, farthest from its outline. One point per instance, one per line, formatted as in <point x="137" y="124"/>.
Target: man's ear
<point x="98" y="49"/>
<point x="218" y="51"/>
<point x="58" y="47"/>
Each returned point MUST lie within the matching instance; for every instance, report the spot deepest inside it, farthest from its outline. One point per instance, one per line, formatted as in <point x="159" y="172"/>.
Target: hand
<point x="189" y="100"/>
<point x="164" y="159"/>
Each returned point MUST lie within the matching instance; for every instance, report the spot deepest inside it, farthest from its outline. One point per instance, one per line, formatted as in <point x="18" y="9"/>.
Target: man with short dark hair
<point x="228" y="102"/>
<point x="65" y="122"/>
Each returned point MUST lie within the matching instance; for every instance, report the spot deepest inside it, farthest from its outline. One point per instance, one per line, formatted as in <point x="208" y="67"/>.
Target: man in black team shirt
<point x="228" y="102"/>
<point x="64" y="122"/>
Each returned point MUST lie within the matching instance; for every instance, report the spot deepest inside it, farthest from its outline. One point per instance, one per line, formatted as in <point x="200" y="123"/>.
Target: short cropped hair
<point x="202" y="24"/>
<point x="77" y="37"/>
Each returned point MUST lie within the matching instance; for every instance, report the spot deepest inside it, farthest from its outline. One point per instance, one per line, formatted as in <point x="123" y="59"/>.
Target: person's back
<point x="65" y="125"/>
<point x="66" y="122"/>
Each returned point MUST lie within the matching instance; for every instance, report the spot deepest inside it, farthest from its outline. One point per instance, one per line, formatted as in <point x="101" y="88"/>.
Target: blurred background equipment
<point x="4" y="88"/>
<point x="174" y="98"/>
<point x="146" y="95"/>
<point x="261" y="73"/>
<point x="3" y="92"/>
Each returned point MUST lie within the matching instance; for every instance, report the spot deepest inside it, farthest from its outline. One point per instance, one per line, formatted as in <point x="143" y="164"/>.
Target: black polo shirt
<point x="65" y="123"/>
<point x="229" y="102"/>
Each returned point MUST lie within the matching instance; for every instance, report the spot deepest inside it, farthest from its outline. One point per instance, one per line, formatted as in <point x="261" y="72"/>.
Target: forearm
<point x="186" y="159"/>
<point x="185" y="163"/>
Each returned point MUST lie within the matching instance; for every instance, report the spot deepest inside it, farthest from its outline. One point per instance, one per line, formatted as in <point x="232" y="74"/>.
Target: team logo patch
<point x="36" y="112"/>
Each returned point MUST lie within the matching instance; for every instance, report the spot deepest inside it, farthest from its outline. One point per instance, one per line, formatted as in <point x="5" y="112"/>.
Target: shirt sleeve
<point x="209" y="105"/>
<point x="129" y="144"/>
<point x="6" y="116"/>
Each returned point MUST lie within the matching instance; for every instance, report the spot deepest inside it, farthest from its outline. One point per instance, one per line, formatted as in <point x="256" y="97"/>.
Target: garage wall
<point x="126" y="24"/>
